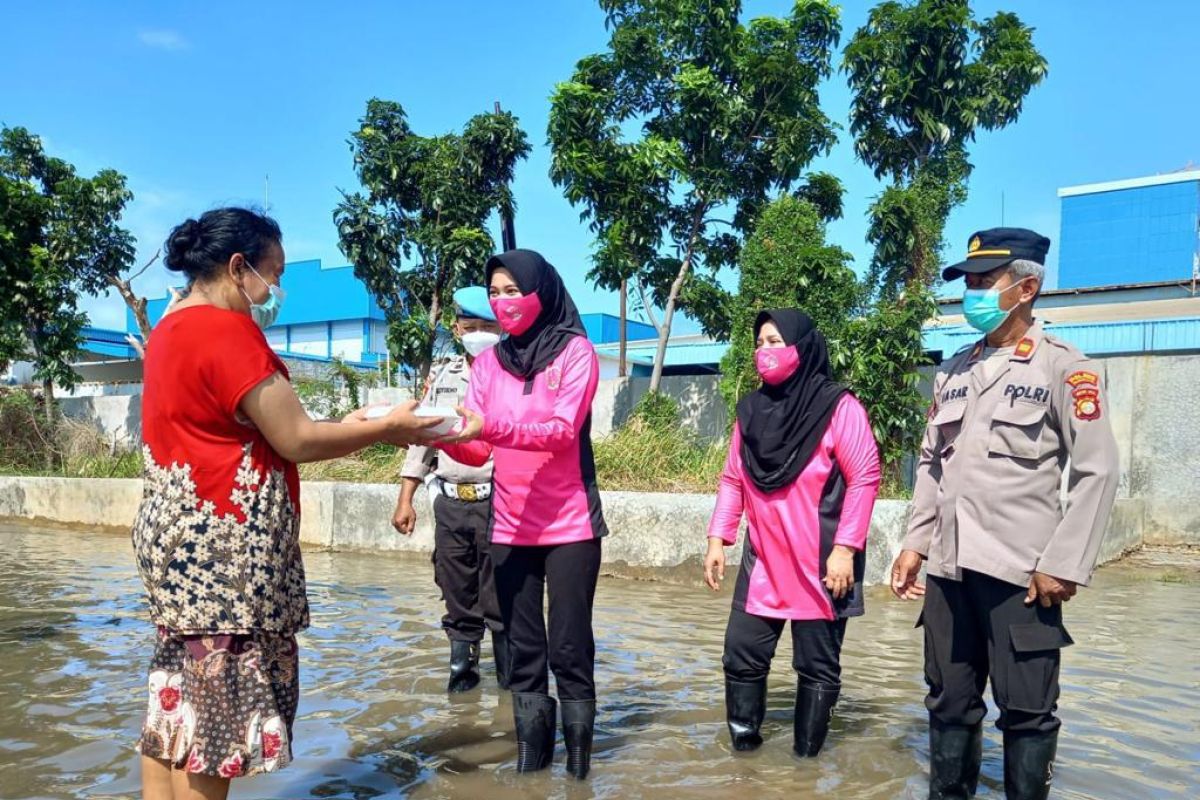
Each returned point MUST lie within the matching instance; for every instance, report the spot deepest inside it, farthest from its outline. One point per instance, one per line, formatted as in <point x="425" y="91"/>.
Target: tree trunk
<point x="435" y="311"/>
<point x="621" y="369"/>
<point x="136" y="304"/>
<point x="664" y="333"/>
<point x="48" y="398"/>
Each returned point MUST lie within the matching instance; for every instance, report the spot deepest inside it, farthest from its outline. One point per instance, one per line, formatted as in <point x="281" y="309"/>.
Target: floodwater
<point x="375" y="721"/>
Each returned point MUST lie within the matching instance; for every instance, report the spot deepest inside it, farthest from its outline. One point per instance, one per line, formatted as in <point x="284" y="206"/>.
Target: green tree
<point x="925" y="77"/>
<point x="418" y="230"/>
<point x="787" y="263"/>
<point x="727" y="115"/>
<point x="60" y="235"/>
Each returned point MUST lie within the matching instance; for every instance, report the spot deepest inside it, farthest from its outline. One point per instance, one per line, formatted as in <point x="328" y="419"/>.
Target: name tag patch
<point x="1027" y="394"/>
<point x="958" y="393"/>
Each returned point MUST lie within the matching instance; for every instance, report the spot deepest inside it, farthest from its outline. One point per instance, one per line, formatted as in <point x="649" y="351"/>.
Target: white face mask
<point x="476" y="342"/>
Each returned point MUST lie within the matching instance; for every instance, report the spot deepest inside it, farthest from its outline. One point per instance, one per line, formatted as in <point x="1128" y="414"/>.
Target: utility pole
<point x="508" y="234"/>
<point x="624" y="338"/>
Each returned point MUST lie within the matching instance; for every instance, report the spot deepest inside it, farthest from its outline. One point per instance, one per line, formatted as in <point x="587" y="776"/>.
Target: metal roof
<point x="1182" y="176"/>
<point x="1109" y="338"/>
<point x="678" y="355"/>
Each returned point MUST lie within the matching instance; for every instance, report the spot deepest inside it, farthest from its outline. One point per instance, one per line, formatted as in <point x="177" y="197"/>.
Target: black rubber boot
<point x="578" y="722"/>
<point x="1029" y="764"/>
<point x="814" y="710"/>
<point x="745" y="707"/>
<point x="503" y="658"/>
<point x="535" y="715"/>
<point x="464" y="666"/>
<point x="955" y="752"/>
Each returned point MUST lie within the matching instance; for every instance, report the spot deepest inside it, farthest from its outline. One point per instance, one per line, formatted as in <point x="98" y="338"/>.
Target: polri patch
<point x="1038" y="395"/>
<point x="1083" y="377"/>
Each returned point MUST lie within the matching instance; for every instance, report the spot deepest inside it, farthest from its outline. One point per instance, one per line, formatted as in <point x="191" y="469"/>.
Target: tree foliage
<point x="59" y="236"/>
<point x="418" y="230"/>
<point x="925" y="77"/>
<point x="689" y="115"/>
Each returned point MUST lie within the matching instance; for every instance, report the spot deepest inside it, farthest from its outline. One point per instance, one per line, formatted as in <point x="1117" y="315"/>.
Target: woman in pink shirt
<point x="804" y="468"/>
<point x="529" y="407"/>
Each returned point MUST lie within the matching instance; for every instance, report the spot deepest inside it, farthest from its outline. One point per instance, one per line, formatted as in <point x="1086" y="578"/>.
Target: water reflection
<point x="375" y="721"/>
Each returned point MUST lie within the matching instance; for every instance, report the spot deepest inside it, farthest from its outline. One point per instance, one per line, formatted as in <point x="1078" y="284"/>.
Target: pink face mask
<point x="776" y="364"/>
<point x="517" y="314"/>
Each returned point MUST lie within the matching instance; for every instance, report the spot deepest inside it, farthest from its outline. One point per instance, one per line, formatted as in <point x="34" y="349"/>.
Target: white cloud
<point x="163" y="40"/>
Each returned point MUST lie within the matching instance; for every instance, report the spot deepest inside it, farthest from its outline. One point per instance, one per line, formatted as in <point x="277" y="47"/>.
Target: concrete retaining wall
<point x="659" y="536"/>
<point x="701" y="407"/>
<point x="117" y="417"/>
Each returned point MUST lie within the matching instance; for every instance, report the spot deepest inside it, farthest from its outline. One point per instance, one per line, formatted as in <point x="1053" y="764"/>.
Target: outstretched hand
<point x="472" y="426"/>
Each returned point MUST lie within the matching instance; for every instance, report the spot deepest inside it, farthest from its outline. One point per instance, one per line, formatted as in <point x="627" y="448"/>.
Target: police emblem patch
<point x="1087" y="403"/>
<point x="1082" y="378"/>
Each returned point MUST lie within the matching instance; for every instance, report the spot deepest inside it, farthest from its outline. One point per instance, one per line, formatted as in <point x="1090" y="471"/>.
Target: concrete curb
<point x="653" y="536"/>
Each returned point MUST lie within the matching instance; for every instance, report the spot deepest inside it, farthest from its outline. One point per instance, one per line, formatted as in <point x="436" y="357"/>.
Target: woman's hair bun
<point x="182" y="245"/>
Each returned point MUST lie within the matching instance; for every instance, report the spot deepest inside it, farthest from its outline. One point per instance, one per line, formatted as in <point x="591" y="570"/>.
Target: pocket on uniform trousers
<point x="1034" y="637"/>
<point x="1017" y="431"/>
<point x="1031" y="683"/>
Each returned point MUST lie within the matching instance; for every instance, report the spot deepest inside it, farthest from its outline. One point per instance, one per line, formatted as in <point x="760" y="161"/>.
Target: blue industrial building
<point x="1143" y="230"/>
<point x="328" y="314"/>
<point x="1128" y="269"/>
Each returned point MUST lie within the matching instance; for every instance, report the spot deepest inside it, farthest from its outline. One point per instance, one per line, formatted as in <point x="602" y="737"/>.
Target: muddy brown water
<point x="375" y="721"/>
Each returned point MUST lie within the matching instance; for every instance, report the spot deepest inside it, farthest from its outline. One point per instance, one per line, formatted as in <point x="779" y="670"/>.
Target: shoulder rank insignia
<point x="1083" y="378"/>
<point x="1025" y="348"/>
<point x="1087" y="403"/>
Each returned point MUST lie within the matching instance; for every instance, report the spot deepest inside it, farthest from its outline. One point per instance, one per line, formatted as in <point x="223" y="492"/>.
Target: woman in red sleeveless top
<point x="217" y="534"/>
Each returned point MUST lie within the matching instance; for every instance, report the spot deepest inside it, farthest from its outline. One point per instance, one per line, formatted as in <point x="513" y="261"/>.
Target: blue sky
<point x="197" y="103"/>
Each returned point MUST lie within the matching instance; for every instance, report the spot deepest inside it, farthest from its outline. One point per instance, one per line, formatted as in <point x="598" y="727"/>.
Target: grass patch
<point x="643" y="458"/>
<point x="379" y="463"/>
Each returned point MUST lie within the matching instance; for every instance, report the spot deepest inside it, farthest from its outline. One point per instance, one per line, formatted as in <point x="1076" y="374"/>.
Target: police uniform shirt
<point x="988" y="485"/>
<point x="447" y="387"/>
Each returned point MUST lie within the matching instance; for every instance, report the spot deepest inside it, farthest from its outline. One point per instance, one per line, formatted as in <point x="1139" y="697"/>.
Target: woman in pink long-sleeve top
<point x="529" y="407"/>
<point x="804" y="468"/>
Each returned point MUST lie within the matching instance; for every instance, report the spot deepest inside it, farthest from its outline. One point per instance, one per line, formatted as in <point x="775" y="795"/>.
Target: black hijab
<point x="782" y="425"/>
<point x="528" y="354"/>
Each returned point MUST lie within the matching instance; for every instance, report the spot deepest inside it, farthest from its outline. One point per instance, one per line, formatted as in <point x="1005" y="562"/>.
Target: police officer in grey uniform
<point x="461" y="508"/>
<point x="1010" y="415"/>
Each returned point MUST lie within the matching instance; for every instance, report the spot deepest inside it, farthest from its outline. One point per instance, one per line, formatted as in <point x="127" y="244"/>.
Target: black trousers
<point x="567" y="573"/>
<point x="750" y="643"/>
<point x="462" y="568"/>
<point x="978" y="628"/>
